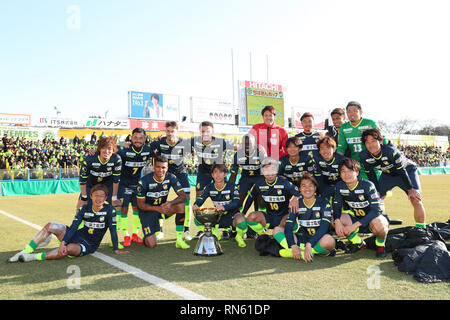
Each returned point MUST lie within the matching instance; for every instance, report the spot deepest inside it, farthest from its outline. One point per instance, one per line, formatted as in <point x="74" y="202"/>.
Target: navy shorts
<point x="246" y="183"/>
<point x="388" y="182"/>
<point x="203" y="179"/>
<point x="127" y="193"/>
<point x="86" y="246"/>
<point x="327" y="191"/>
<point x="150" y="222"/>
<point x="274" y="220"/>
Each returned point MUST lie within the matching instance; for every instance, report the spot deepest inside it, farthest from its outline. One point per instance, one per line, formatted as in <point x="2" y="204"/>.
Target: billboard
<point x="257" y="95"/>
<point x="17" y="119"/>
<point x="215" y="110"/>
<point x="148" y="125"/>
<point x="154" y="106"/>
<point x="30" y="133"/>
<point x="319" y="117"/>
<point x="99" y="123"/>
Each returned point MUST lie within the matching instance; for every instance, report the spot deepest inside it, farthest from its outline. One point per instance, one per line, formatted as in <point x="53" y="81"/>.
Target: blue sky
<point x="392" y="56"/>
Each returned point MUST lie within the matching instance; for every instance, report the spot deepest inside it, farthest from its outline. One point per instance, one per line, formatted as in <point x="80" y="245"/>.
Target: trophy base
<point x="208" y="246"/>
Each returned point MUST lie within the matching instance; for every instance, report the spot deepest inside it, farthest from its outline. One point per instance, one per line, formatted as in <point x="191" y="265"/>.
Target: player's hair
<point x="271" y="109"/>
<point x="269" y="162"/>
<point x="155" y="96"/>
<point x="106" y="141"/>
<point x="100" y="187"/>
<point x="350" y="164"/>
<point x="138" y="130"/>
<point x="219" y="166"/>
<point x="161" y="158"/>
<point x="310" y="177"/>
<point x="171" y="124"/>
<point x="353" y="103"/>
<point x="339" y="111"/>
<point x="294" y="141"/>
<point x="306" y="115"/>
<point x="375" y="133"/>
<point x="206" y="124"/>
<point x="326" y="140"/>
<point x="248" y="137"/>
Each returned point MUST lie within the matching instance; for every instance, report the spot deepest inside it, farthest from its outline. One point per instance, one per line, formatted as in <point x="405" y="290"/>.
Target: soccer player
<point x="338" y="119"/>
<point x="295" y="162"/>
<point x="175" y="148"/>
<point x="97" y="216"/>
<point x="365" y="210"/>
<point x="225" y="197"/>
<point x="153" y="190"/>
<point x="279" y="197"/>
<point x="396" y="171"/>
<point x="326" y="164"/>
<point x="248" y="159"/>
<point x="310" y="235"/>
<point x="134" y="159"/>
<point x="270" y="136"/>
<point x="209" y="150"/>
<point x="308" y="136"/>
<point x="351" y="131"/>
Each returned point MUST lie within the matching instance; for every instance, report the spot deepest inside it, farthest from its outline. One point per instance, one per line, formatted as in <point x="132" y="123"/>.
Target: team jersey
<point x="363" y="201"/>
<point x="228" y="196"/>
<point x="95" y="225"/>
<point x="250" y="164"/>
<point x="209" y="154"/>
<point x="276" y="196"/>
<point x="390" y="161"/>
<point x="133" y="161"/>
<point x="327" y="173"/>
<point x="174" y="152"/>
<point x="313" y="221"/>
<point x="350" y="137"/>
<point x="156" y="192"/>
<point x="93" y="171"/>
<point x="293" y="171"/>
<point x="309" y="142"/>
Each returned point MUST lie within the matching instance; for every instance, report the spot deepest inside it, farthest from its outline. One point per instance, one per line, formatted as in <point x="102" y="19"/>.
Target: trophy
<point x="207" y="244"/>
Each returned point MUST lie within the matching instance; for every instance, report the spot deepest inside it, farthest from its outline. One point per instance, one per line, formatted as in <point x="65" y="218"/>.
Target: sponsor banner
<point x="148" y="125"/>
<point x="30" y="133"/>
<point x="18" y="119"/>
<point x="319" y="117"/>
<point x="155" y="106"/>
<point x="98" y="123"/>
<point x="257" y="95"/>
<point x="215" y="110"/>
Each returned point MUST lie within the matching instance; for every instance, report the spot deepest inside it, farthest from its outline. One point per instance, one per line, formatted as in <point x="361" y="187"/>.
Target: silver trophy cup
<point x="207" y="244"/>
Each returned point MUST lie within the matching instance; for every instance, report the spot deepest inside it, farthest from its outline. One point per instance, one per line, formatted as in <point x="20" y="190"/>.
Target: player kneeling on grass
<point x="310" y="235"/>
<point x="153" y="190"/>
<point x="225" y="197"/>
<point x="97" y="216"/>
<point x="365" y="209"/>
<point x="279" y="197"/>
<point x="396" y="171"/>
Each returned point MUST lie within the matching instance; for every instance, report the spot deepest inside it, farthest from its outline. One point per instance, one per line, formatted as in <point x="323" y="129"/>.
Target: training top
<point x="174" y="152"/>
<point x="133" y="161"/>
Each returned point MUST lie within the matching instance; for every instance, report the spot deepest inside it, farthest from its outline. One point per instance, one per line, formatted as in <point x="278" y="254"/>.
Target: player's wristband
<point x="114" y="198"/>
<point x="84" y="198"/>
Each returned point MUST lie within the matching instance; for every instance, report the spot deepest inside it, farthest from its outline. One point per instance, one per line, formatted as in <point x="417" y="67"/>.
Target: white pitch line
<point x="138" y="273"/>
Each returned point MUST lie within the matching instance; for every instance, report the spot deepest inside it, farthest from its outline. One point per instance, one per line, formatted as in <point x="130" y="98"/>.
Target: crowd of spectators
<point x="19" y="154"/>
<point x="426" y="156"/>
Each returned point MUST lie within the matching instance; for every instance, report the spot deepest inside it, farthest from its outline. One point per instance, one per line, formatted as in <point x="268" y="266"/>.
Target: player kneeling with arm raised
<point x="97" y="217"/>
<point x="365" y="210"/>
<point x="310" y="235"/>
<point x="153" y="190"/>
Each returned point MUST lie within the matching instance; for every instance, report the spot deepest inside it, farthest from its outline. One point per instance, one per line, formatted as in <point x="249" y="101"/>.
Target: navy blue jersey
<point x="175" y="153"/>
<point x="327" y="173"/>
<point x="228" y="196"/>
<point x="363" y="201"/>
<point x="390" y="161"/>
<point x="275" y="196"/>
<point x="133" y="161"/>
<point x="313" y="221"/>
<point x="207" y="155"/>
<point x="293" y="171"/>
<point x="95" y="225"/>
<point x="250" y="164"/>
<point x="156" y="192"/>
<point x="93" y="171"/>
<point x="309" y="142"/>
